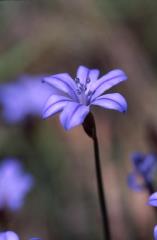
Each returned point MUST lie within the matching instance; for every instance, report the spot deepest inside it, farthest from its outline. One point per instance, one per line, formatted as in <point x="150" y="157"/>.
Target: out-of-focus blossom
<point x="9" y="235"/>
<point x="26" y="96"/>
<point x="155" y="232"/>
<point x="76" y="97"/>
<point x="14" y="184"/>
<point x="153" y="200"/>
<point x="144" y="167"/>
<point x="35" y="238"/>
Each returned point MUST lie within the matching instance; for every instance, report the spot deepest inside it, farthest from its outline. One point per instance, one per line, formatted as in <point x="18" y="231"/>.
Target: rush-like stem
<point x="90" y="129"/>
<point x="101" y="190"/>
<point x="150" y="187"/>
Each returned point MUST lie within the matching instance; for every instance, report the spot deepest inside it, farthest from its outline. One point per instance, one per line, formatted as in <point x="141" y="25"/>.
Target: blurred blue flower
<point x="26" y="96"/>
<point x="144" y="167"/>
<point x="9" y="235"/>
<point x="76" y="97"/>
<point x="153" y="200"/>
<point x="155" y="232"/>
<point x="14" y="184"/>
<point x="35" y="238"/>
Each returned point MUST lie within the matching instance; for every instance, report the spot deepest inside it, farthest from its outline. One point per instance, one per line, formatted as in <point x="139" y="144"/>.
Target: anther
<point x="77" y="80"/>
<point x="89" y="93"/>
<point x="88" y="80"/>
<point x="78" y="91"/>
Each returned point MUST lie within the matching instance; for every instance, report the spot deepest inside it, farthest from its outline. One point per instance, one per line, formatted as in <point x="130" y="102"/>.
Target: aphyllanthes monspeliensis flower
<point x="75" y="97"/>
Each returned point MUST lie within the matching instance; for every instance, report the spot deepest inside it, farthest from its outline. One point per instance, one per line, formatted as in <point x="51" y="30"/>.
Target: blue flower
<point x="153" y="200"/>
<point x="9" y="235"/>
<point x="144" y="167"/>
<point x="24" y="97"/>
<point x="75" y="98"/>
<point x="155" y="232"/>
<point x="35" y="238"/>
<point x="14" y="184"/>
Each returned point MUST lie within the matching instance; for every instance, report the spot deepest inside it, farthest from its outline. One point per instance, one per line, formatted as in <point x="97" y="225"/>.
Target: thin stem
<point x="90" y="129"/>
<point x="101" y="194"/>
<point x="150" y="187"/>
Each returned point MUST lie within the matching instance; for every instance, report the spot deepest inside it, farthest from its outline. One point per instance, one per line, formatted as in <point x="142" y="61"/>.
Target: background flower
<point x="9" y="235"/>
<point x="155" y="232"/>
<point x="153" y="200"/>
<point x="14" y="184"/>
<point x="144" y="167"/>
<point x="24" y="97"/>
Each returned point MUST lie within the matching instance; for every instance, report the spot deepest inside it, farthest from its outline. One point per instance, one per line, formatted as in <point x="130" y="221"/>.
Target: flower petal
<point x="55" y="104"/>
<point x="73" y="115"/>
<point x="35" y="238"/>
<point x="83" y="73"/>
<point x="113" y="101"/>
<point x="153" y="200"/>
<point x="93" y="75"/>
<point x="8" y="235"/>
<point x="64" y="83"/>
<point x="155" y="232"/>
<point x="106" y="82"/>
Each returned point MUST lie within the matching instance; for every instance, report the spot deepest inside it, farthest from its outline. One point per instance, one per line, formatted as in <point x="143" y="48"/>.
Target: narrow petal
<point x="73" y="115"/>
<point x="64" y="83"/>
<point x="153" y="200"/>
<point x="113" y="101"/>
<point x="106" y="82"/>
<point x="93" y="75"/>
<point x="155" y="232"/>
<point x="55" y="104"/>
<point x="84" y="73"/>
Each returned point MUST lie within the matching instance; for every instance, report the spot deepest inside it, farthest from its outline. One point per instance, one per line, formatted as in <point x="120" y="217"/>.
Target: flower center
<point x="82" y="90"/>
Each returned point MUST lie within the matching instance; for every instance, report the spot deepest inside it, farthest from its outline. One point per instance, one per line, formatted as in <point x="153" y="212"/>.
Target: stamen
<point x="88" y="80"/>
<point x="89" y="93"/>
<point x="77" y="80"/>
<point x="78" y="91"/>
